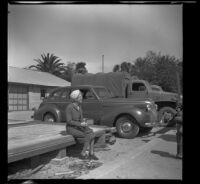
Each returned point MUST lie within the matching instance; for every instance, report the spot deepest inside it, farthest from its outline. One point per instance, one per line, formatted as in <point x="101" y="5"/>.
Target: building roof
<point x="28" y="76"/>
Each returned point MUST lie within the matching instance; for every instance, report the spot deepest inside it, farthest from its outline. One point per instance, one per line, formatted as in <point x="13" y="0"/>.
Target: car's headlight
<point x="148" y="107"/>
<point x="151" y="106"/>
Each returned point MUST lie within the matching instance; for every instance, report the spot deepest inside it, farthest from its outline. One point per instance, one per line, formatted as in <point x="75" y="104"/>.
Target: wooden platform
<point x="29" y="140"/>
<point x="35" y="138"/>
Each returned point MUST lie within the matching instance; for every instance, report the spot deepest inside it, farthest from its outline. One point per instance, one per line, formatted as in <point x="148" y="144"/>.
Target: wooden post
<point x="61" y="153"/>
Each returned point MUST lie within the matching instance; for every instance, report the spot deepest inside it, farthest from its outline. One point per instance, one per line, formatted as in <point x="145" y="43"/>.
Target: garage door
<point x="18" y="98"/>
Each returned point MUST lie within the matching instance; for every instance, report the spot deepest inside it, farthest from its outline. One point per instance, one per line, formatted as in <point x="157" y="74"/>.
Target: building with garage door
<point x="27" y="88"/>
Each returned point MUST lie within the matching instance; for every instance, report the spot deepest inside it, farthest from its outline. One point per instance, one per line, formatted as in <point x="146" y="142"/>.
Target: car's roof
<point x="78" y="86"/>
<point x="88" y="86"/>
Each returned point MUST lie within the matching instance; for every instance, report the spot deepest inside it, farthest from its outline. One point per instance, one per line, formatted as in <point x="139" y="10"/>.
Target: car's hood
<point x="169" y="93"/>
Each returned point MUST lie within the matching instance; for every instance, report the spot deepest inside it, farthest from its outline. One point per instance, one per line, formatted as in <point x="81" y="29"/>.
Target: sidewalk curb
<point x="100" y="172"/>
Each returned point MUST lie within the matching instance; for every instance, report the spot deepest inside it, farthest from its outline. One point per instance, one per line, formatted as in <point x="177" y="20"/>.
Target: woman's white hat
<point x="75" y="94"/>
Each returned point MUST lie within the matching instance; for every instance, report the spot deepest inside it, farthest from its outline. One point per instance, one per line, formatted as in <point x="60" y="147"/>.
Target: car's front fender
<point x="138" y="114"/>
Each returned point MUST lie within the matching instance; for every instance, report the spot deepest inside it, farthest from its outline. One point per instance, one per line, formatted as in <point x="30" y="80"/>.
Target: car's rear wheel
<point x="127" y="127"/>
<point x="49" y="117"/>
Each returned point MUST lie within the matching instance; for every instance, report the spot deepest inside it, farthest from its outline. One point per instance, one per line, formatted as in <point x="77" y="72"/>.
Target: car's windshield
<point x="103" y="92"/>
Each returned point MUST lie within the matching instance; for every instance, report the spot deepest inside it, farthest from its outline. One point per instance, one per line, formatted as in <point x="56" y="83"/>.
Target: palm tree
<point x="49" y="63"/>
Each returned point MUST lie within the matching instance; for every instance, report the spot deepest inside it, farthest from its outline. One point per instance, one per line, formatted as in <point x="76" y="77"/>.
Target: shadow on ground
<point x="168" y="137"/>
<point x="163" y="154"/>
<point x="149" y="133"/>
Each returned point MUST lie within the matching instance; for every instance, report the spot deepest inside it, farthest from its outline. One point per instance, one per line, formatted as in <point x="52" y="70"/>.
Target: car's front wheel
<point x="127" y="127"/>
<point x="49" y="117"/>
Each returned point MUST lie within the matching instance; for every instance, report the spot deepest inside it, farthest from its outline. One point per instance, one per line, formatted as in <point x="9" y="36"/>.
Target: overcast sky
<point x="78" y="33"/>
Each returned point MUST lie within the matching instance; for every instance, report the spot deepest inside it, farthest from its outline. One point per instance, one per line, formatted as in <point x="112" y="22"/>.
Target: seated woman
<point x="77" y="127"/>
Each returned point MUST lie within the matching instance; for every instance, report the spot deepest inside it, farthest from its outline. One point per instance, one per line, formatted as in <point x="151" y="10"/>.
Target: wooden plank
<point x="35" y="139"/>
<point x="21" y="152"/>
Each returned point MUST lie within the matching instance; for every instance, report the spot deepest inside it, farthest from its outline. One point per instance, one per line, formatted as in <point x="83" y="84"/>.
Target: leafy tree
<point x="159" y="69"/>
<point x="81" y="68"/>
<point x="116" y="68"/>
<point x="124" y="67"/>
<point x="156" y="68"/>
<point x="49" y="63"/>
<point x="68" y="72"/>
<point x="73" y="68"/>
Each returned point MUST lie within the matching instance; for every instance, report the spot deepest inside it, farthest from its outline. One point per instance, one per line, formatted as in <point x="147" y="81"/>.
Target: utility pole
<point x="103" y="63"/>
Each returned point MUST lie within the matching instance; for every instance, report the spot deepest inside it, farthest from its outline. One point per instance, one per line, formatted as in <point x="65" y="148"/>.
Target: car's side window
<point x="56" y="94"/>
<point x="87" y="94"/>
<point x="65" y="94"/>
<point x="138" y="87"/>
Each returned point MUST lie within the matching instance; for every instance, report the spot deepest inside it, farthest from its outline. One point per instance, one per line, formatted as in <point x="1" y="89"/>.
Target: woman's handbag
<point x="85" y="129"/>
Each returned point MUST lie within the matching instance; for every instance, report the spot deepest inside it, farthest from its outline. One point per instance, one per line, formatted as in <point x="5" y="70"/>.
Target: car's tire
<point x="165" y="115"/>
<point x="127" y="127"/>
<point x="49" y="117"/>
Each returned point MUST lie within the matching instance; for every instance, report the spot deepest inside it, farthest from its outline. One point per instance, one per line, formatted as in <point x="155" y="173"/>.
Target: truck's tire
<point x="127" y="127"/>
<point x="49" y="117"/>
<point x="165" y="115"/>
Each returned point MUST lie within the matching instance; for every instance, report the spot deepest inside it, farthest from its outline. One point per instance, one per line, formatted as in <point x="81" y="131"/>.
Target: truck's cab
<point x="138" y="89"/>
<point x="166" y="101"/>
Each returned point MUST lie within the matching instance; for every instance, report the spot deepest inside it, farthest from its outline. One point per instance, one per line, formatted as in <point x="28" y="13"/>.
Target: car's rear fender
<point x="50" y="109"/>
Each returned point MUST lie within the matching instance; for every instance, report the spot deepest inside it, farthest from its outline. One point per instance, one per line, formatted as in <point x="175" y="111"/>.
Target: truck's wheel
<point x="165" y="116"/>
<point x="127" y="127"/>
<point x="49" y="117"/>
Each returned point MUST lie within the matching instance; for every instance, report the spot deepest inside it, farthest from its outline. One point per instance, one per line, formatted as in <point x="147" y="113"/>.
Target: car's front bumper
<point x="150" y="124"/>
<point x="151" y="119"/>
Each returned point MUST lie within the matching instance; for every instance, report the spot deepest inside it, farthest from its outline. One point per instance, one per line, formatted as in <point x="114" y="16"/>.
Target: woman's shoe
<point x="93" y="157"/>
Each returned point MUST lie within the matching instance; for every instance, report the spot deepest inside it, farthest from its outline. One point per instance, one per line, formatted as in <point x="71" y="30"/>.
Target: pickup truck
<point x="127" y="115"/>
